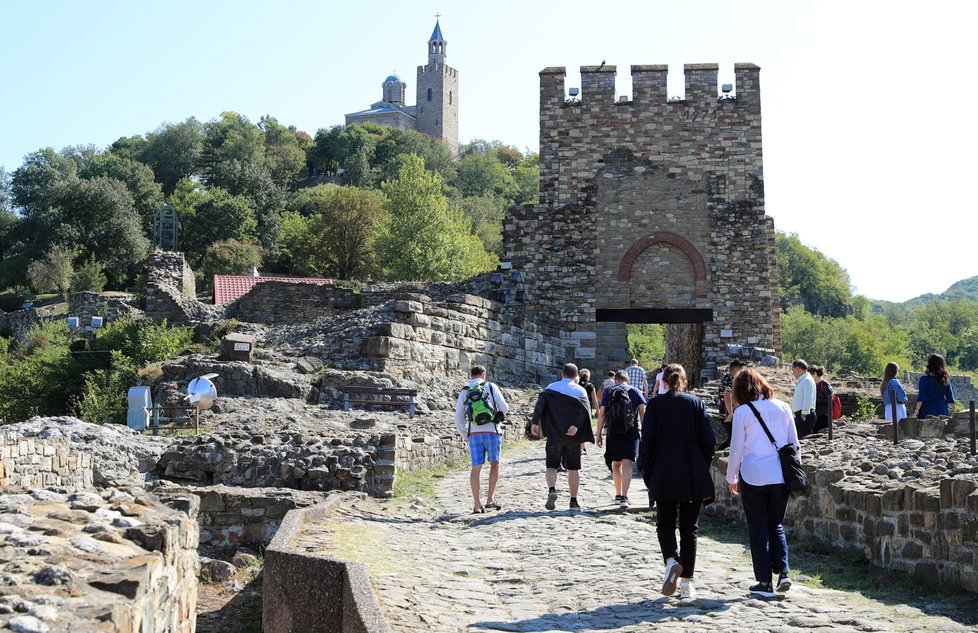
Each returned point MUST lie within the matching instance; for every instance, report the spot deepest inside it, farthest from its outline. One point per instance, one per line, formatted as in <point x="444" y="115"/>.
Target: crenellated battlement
<point x="442" y="69"/>
<point x="648" y="85"/>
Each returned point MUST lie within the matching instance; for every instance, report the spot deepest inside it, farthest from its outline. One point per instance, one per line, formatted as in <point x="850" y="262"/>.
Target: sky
<point x="867" y="107"/>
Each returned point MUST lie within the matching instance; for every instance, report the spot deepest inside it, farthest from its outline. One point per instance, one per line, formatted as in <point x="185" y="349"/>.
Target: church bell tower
<point x="437" y="103"/>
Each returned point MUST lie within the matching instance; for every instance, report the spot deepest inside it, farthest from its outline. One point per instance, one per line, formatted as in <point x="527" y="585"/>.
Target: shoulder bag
<point x="794" y="475"/>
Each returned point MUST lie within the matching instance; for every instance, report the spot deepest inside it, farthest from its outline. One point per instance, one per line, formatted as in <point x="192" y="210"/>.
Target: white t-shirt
<point x="751" y="453"/>
<point x="663" y="387"/>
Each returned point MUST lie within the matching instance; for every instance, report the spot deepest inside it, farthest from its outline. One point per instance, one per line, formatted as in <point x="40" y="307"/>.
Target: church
<point x="435" y="112"/>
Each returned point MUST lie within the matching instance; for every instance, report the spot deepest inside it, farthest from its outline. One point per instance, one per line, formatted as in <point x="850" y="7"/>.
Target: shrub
<point x="89" y="277"/>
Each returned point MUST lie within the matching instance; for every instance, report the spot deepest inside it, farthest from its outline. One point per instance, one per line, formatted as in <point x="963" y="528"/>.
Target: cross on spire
<point x="437" y="15"/>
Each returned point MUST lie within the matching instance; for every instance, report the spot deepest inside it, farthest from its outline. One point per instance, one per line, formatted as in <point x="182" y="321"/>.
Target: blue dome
<point x="392" y="79"/>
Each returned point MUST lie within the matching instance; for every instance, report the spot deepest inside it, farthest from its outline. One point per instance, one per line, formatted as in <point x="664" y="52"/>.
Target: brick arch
<point x="699" y="267"/>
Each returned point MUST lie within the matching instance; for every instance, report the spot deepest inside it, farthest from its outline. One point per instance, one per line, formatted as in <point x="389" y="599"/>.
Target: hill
<point x="966" y="289"/>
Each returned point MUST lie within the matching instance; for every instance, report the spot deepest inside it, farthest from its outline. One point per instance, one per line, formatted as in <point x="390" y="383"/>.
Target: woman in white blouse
<point x="754" y="472"/>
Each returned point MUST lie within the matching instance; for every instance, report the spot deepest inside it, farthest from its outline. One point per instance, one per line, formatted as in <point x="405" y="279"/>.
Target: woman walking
<point x="754" y="472"/>
<point x="823" y="398"/>
<point x="677" y="448"/>
<point x="891" y="384"/>
<point x="934" y="392"/>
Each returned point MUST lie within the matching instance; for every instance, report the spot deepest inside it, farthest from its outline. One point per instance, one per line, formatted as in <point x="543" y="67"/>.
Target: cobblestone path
<point x="437" y="568"/>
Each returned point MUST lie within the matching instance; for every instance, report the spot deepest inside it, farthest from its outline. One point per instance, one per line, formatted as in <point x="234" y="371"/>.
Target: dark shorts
<point x="621" y="446"/>
<point x="571" y="454"/>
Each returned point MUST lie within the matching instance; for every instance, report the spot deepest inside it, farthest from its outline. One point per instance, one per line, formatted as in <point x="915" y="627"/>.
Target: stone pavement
<point x="435" y="567"/>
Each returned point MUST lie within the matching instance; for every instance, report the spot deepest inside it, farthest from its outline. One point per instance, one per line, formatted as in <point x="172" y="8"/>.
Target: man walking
<point x="803" y="402"/>
<point x="622" y="407"/>
<point x="478" y="411"/>
<point x="637" y="378"/>
<point x="563" y="415"/>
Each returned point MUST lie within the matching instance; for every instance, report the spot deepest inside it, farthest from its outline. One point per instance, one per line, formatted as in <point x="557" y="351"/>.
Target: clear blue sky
<point x="868" y="106"/>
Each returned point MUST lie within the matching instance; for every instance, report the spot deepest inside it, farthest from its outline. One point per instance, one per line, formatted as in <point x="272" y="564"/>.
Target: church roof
<point x="392" y="79"/>
<point x="436" y="35"/>
<point x="382" y="107"/>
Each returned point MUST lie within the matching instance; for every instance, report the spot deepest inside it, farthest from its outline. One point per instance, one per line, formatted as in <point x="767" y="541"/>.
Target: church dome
<point x="392" y="79"/>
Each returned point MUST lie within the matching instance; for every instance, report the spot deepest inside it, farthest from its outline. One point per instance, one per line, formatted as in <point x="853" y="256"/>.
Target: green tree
<point x="217" y="216"/>
<point x="88" y="277"/>
<point x="647" y="342"/>
<point x="486" y="214"/>
<point x="341" y="232"/>
<point x="52" y="273"/>
<point x="294" y="249"/>
<point x="527" y="176"/>
<point x="285" y="155"/>
<point x="174" y="151"/>
<point x="33" y="182"/>
<point x="98" y="217"/>
<point x="482" y="175"/>
<point x="147" y="194"/>
<point x="809" y="278"/>
<point x="424" y="240"/>
<point x="231" y="257"/>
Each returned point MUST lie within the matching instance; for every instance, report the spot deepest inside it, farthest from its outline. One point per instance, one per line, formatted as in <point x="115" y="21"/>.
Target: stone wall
<point x="116" y="560"/>
<point x="166" y="268"/>
<point x="33" y="462"/>
<point x="85" y="305"/>
<point x="649" y="204"/>
<point x="18" y="323"/>
<point x="910" y="507"/>
<point x="428" y="340"/>
<point x="283" y="302"/>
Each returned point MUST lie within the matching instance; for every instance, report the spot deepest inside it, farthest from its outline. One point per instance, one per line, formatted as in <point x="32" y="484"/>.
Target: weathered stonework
<point x="650" y="204"/>
<point x="85" y="305"/>
<point x="281" y="302"/>
<point x="33" y="462"/>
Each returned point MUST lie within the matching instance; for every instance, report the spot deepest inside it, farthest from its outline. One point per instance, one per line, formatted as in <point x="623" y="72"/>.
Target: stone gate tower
<point x="437" y="104"/>
<point x="651" y="211"/>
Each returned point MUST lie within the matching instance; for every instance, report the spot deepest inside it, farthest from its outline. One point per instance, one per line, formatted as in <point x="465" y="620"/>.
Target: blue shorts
<point x="484" y="447"/>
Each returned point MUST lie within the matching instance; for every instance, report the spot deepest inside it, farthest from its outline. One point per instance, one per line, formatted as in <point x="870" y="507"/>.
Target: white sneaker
<point x="623" y="503"/>
<point x="686" y="589"/>
<point x="670" y="579"/>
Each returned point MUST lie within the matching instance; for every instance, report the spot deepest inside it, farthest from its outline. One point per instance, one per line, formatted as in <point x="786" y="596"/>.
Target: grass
<point x="825" y="566"/>
<point x="421" y="483"/>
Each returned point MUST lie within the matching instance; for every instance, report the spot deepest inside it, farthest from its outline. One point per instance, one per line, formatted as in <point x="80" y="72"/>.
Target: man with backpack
<point x="622" y="406"/>
<point x="479" y="410"/>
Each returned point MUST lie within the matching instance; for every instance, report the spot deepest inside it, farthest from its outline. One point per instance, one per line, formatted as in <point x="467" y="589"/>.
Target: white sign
<point x="242" y="347"/>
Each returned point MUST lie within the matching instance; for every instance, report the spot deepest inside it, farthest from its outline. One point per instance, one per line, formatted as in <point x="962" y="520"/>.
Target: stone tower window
<point x="429" y="94"/>
<point x="449" y="97"/>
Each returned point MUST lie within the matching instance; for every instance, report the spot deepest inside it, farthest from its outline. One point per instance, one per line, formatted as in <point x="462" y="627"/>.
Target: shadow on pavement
<point x="611" y="617"/>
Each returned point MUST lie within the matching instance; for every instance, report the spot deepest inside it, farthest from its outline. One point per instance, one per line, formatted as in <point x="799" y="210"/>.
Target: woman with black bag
<point x="754" y="471"/>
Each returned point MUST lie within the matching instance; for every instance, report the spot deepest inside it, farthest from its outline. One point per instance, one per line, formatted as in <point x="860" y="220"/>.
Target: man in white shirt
<point x="803" y="402"/>
<point x="478" y="411"/>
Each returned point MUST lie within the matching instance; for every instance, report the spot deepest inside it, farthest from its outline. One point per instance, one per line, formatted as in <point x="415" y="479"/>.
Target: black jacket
<point x="677" y="449"/>
<point x="823" y="398"/>
<point x="556" y="412"/>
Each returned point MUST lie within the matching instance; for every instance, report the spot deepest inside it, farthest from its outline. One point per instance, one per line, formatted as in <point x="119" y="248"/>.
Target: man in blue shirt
<point x="623" y="435"/>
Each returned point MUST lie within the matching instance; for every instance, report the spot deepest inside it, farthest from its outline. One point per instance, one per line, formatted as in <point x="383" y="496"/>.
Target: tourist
<point x="890" y="383"/>
<point x="823" y="398"/>
<point x="592" y="393"/>
<point x="803" y="402"/>
<point x="609" y="381"/>
<point x="726" y="394"/>
<point x="659" y="387"/>
<point x="636" y="377"/>
<point x="677" y="448"/>
<point x="621" y="421"/>
<point x="562" y="415"/>
<point x="754" y="472"/>
<point x="934" y="392"/>
<point x="479" y="409"/>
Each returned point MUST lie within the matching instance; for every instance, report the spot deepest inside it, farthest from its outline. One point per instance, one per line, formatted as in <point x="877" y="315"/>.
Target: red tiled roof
<point x="227" y="288"/>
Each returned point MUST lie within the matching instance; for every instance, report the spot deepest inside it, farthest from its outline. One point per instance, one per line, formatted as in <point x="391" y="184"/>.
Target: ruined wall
<point x="18" y="323"/>
<point x="282" y="302"/>
<point x="231" y="516"/>
<point x="964" y="389"/>
<point x="35" y="463"/>
<point x="910" y="507"/>
<point x="429" y="340"/>
<point x="650" y="203"/>
<point x="85" y="305"/>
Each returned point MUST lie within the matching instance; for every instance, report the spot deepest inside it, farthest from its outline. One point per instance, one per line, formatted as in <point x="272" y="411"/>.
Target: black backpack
<point x="618" y="414"/>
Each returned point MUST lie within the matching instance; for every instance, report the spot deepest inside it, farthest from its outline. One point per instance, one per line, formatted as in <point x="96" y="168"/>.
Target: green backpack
<point x="480" y="406"/>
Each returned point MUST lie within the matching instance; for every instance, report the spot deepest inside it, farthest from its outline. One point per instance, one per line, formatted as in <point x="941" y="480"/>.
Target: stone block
<point x="238" y="347"/>
<point x="408" y="307"/>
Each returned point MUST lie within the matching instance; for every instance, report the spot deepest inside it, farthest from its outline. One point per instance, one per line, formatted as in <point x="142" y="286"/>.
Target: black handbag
<point x="794" y="475"/>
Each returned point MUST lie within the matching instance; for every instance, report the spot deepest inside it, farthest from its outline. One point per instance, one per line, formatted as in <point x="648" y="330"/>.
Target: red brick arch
<point x="699" y="268"/>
